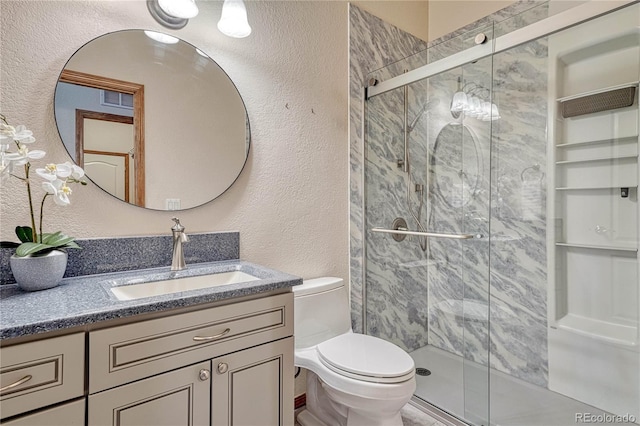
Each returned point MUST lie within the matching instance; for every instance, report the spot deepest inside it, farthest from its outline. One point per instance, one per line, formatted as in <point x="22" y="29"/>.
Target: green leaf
<point x="25" y="249"/>
<point x="24" y="233"/>
<point x="8" y="244"/>
<point x="57" y="239"/>
<point x="72" y="244"/>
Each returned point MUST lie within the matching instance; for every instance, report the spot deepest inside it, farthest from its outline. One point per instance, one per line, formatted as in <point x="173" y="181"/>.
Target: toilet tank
<point x="321" y="311"/>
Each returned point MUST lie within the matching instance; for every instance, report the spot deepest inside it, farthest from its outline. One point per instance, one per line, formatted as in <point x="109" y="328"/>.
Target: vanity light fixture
<point x="468" y="100"/>
<point x="172" y="14"/>
<point x="233" y="19"/>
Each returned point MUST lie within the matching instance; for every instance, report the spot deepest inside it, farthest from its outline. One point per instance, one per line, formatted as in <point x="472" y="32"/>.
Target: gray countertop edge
<point x="86" y="300"/>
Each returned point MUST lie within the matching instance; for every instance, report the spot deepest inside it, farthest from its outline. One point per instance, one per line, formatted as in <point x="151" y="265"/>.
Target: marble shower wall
<point x="507" y="196"/>
<point x="373" y="44"/>
<point x="518" y="214"/>
<point x="396" y="272"/>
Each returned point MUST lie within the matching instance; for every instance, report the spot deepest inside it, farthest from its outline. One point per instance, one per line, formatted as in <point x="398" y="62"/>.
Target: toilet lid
<point x="366" y="358"/>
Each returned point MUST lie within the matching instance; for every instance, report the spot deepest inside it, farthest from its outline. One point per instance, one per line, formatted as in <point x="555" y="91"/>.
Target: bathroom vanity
<point x="213" y="356"/>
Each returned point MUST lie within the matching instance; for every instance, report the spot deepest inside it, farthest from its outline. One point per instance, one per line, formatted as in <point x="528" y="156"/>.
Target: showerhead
<point x="424" y="109"/>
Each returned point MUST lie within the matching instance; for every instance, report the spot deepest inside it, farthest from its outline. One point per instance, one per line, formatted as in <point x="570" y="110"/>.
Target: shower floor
<point x="513" y="401"/>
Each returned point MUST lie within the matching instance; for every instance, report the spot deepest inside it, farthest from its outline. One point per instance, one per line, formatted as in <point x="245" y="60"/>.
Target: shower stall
<point x="501" y="217"/>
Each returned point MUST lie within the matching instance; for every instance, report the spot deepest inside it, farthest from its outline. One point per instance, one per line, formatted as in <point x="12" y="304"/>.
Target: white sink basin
<point x="130" y="291"/>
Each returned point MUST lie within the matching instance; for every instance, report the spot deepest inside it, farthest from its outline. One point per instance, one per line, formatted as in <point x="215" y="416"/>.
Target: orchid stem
<point x="42" y="213"/>
<point x="33" y="219"/>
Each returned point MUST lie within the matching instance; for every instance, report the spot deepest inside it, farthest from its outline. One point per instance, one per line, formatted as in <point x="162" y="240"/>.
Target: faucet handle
<point x="177" y="227"/>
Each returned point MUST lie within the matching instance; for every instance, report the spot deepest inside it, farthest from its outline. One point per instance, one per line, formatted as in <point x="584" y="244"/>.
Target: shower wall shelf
<point x="589" y="160"/>
<point x="595" y="247"/>
<point x="594" y="188"/>
<point x="632" y="139"/>
<point x="598" y="91"/>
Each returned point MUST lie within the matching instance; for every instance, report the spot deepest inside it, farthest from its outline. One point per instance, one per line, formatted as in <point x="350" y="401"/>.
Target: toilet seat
<point x="366" y="358"/>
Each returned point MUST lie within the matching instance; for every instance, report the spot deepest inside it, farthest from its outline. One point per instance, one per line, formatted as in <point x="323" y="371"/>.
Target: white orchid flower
<point x="52" y="171"/>
<point x="76" y="171"/>
<point x="60" y="191"/>
<point x="23" y="135"/>
<point x="24" y="155"/>
<point x="19" y="133"/>
<point x="48" y="172"/>
<point x="7" y="133"/>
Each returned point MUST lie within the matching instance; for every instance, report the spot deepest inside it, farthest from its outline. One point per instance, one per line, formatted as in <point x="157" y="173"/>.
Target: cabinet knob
<point x="204" y="375"/>
<point x="223" y="368"/>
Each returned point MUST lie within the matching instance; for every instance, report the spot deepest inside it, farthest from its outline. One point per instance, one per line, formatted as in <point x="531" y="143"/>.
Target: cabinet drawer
<point x="130" y="352"/>
<point x="37" y="374"/>
<point x="69" y="414"/>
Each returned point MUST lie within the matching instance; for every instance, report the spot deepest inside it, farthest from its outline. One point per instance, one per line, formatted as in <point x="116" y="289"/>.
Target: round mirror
<point x="456" y="164"/>
<point x="153" y="120"/>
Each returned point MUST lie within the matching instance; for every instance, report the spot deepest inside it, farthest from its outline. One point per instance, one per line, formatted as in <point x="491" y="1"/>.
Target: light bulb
<point x="494" y="112"/>
<point x="185" y="9"/>
<point x="233" y="19"/>
<point x="458" y="102"/>
<point x="486" y="111"/>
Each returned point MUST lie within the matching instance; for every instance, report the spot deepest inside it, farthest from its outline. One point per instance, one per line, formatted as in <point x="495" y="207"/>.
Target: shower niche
<point x="593" y="244"/>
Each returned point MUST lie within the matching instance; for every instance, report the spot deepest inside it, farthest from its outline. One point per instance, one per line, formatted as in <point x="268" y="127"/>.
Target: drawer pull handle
<point x="216" y="336"/>
<point x="22" y="381"/>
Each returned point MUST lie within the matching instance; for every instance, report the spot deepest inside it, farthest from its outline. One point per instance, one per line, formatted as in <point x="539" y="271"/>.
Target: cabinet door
<point x="177" y="398"/>
<point x="254" y="387"/>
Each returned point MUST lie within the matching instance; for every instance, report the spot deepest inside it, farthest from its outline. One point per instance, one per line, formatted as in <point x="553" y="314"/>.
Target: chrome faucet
<point x="179" y="237"/>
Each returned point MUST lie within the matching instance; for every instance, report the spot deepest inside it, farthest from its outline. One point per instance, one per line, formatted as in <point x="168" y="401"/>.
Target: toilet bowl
<point x="353" y="379"/>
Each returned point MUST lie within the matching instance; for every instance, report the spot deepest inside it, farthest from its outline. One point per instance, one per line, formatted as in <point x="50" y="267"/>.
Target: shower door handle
<point x="424" y="234"/>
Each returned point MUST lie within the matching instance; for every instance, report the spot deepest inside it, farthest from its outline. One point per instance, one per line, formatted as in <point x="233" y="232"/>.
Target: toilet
<point x="352" y="379"/>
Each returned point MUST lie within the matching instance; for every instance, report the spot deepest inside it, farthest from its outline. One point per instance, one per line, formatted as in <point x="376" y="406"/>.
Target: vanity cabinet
<point x="230" y="364"/>
<point x="233" y="366"/>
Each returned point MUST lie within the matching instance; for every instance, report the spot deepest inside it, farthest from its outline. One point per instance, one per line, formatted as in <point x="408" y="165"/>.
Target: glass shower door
<point x="427" y="170"/>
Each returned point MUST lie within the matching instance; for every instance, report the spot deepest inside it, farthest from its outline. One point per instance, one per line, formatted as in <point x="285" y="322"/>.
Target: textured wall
<point x="411" y="16"/>
<point x="448" y="16"/>
<point x="289" y="203"/>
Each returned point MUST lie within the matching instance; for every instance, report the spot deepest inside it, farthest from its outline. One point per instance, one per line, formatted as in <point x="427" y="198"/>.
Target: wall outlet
<point x="172" y="203"/>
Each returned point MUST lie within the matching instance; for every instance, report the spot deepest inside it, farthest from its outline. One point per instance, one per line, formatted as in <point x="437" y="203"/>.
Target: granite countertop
<point x="87" y="299"/>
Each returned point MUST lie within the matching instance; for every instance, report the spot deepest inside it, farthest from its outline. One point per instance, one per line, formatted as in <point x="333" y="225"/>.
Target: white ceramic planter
<point x="39" y="272"/>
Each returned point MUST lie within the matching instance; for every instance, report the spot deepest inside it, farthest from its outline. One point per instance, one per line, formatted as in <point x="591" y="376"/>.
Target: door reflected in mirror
<point x="157" y="125"/>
